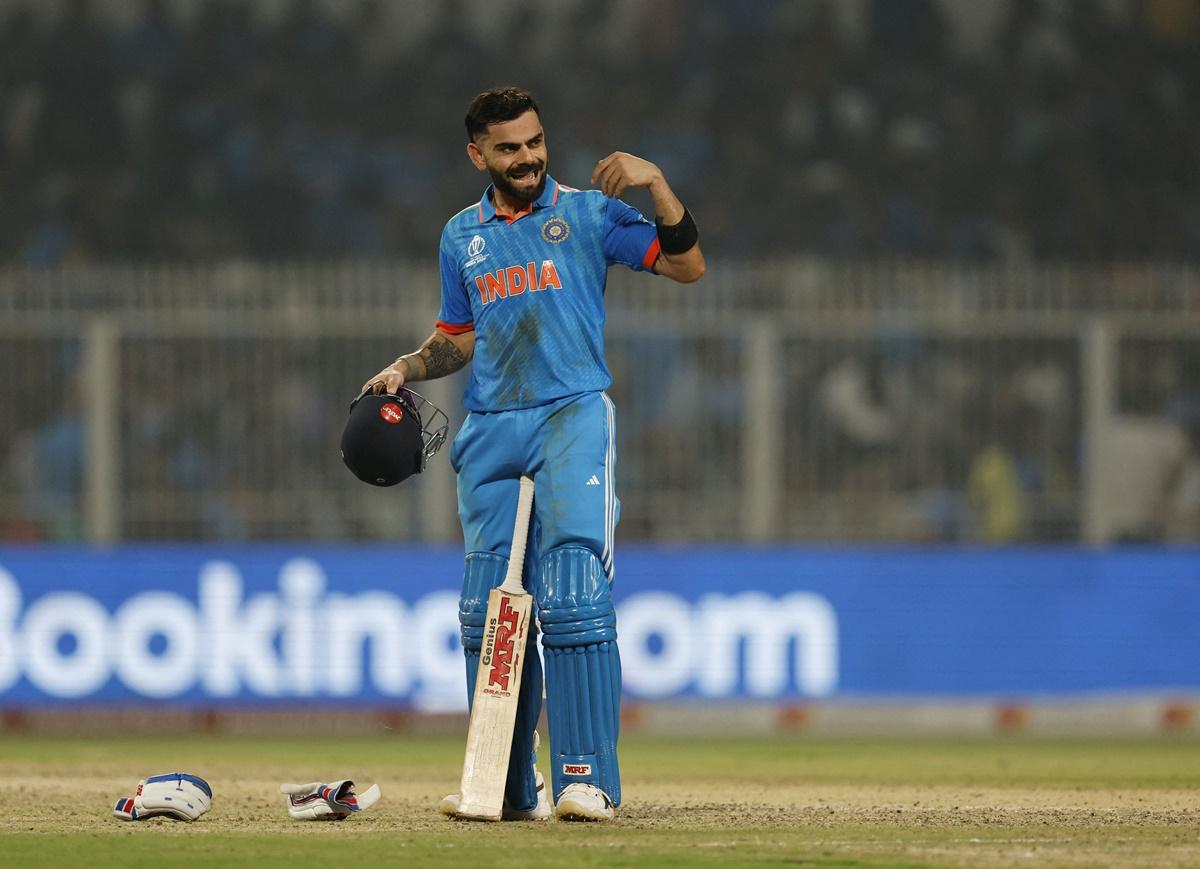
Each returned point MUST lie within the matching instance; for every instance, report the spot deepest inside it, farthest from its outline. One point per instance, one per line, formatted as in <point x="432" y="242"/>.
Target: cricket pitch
<point x="994" y="802"/>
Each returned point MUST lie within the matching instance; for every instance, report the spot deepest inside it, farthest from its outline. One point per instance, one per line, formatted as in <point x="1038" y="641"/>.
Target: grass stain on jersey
<point x="512" y="364"/>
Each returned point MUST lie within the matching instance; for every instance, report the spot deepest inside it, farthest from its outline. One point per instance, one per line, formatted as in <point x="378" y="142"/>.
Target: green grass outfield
<point x="784" y="801"/>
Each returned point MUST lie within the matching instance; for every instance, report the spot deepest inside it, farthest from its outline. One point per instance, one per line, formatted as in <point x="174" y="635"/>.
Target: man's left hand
<point x="619" y="171"/>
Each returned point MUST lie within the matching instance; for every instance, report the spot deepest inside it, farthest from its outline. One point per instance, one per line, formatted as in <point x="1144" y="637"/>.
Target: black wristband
<point x="679" y="238"/>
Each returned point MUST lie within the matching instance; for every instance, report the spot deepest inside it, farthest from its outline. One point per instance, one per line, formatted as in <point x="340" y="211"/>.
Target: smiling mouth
<point x="524" y="174"/>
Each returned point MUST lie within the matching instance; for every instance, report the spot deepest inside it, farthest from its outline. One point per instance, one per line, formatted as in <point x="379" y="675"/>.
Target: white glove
<point x="336" y="801"/>
<point x="174" y="795"/>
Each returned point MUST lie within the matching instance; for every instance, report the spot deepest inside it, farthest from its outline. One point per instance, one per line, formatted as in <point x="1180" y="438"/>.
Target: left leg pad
<point x="583" y="670"/>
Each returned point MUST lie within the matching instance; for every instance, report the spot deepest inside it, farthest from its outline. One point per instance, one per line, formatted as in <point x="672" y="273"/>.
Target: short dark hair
<point x="497" y="105"/>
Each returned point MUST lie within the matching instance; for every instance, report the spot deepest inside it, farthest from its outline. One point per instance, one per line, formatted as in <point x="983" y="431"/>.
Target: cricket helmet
<point x="388" y="438"/>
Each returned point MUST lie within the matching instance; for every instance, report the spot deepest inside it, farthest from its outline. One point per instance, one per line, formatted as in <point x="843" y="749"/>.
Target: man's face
<point x="514" y="154"/>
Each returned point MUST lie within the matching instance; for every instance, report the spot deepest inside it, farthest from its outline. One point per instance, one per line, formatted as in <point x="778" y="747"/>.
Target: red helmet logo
<point x="391" y="412"/>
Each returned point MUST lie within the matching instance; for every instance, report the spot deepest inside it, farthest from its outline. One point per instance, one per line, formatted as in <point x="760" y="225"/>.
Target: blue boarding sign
<point x="204" y="626"/>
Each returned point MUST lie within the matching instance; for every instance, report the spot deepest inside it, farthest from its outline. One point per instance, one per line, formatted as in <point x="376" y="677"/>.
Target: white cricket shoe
<point x="540" y="812"/>
<point x="584" y="802"/>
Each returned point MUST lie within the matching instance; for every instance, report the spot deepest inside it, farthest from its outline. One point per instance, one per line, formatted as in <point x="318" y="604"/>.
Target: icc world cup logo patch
<point x="555" y="230"/>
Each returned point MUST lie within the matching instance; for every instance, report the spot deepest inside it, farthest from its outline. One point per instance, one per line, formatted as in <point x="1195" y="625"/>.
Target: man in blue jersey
<point x="523" y="272"/>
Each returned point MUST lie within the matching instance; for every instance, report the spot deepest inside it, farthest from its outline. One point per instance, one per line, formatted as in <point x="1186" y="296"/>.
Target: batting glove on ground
<point x="316" y="801"/>
<point x="174" y="795"/>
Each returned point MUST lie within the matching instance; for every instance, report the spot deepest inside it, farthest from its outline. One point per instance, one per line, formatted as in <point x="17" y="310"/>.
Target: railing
<point x="799" y="400"/>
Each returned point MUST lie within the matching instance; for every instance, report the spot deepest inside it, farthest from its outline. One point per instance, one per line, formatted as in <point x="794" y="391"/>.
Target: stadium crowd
<point x="1064" y="130"/>
<point x="1069" y="132"/>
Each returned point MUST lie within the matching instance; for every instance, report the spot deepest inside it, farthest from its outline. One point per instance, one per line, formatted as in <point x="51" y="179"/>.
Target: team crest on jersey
<point x="475" y="251"/>
<point x="555" y="230"/>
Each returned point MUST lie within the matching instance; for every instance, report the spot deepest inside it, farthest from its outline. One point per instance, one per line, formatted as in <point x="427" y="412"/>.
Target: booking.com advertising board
<point x="377" y="626"/>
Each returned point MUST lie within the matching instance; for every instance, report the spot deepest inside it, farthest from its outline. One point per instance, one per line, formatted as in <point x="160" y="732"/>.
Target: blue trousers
<point x="569" y="447"/>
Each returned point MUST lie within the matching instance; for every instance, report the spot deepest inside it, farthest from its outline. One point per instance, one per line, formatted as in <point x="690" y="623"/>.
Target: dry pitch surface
<point x="1010" y="802"/>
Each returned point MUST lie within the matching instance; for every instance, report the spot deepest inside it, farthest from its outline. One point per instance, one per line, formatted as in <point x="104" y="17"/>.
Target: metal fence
<point x="798" y="400"/>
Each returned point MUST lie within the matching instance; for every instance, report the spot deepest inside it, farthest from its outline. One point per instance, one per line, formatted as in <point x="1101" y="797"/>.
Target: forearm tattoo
<point x="440" y="358"/>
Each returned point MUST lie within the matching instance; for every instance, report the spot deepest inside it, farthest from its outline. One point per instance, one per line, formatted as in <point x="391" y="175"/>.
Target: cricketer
<point x="523" y="274"/>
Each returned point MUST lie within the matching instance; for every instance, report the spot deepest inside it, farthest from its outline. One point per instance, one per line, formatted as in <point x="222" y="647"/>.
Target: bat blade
<point x="494" y="707"/>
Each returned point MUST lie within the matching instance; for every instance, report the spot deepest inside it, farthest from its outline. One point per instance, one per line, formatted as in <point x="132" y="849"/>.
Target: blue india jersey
<point x="532" y="288"/>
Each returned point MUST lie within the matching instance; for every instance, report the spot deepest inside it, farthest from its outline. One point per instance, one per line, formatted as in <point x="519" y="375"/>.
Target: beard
<point x="504" y="183"/>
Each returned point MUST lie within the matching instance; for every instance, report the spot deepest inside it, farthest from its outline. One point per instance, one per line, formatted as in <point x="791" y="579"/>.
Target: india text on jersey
<point x="514" y="280"/>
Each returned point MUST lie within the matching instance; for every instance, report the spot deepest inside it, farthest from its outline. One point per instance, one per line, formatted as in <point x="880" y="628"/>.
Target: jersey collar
<point x="487" y="207"/>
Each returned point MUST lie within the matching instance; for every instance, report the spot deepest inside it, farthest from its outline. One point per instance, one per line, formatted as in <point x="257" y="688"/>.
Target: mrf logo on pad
<point x="499" y="648"/>
<point x="577" y="769"/>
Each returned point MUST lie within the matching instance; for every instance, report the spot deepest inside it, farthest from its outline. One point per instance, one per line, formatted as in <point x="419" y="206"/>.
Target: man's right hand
<point x="389" y="379"/>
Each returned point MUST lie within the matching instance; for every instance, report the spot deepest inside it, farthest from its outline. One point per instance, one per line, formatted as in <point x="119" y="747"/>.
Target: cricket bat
<point x="501" y="661"/>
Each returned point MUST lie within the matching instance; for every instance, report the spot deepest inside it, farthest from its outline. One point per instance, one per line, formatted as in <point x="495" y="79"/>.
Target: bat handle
<point x="516" y="556"/>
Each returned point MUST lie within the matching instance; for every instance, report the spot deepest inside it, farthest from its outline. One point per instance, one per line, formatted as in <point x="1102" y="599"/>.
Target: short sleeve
<point x="455" y="314"/>
<point x="629" y="238"/>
